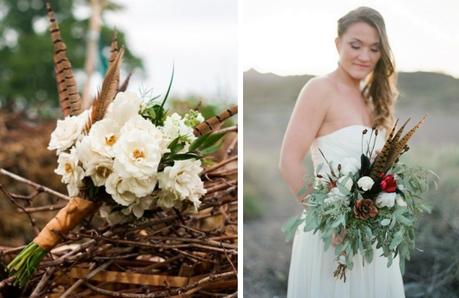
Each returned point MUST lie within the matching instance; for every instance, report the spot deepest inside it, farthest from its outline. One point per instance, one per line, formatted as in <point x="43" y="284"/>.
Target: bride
<point x="330" y="114"/>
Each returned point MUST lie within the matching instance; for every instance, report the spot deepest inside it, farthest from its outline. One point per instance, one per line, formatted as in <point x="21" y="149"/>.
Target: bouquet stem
<point x="340" y="272"/>
<point x="24" y="265"/>
<point x="26" y="262"/>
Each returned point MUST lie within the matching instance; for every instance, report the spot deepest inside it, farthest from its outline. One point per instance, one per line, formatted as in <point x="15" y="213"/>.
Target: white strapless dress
<point x="311" y="268"/>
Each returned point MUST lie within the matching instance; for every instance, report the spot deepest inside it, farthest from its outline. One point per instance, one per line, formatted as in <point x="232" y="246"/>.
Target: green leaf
<point x="184" y="156"/>
<point x="289" y="228"/>
<point x="210" y="150"/>
<point x="169" y="87"/>
<point x="174" y="143"/>
<point x="385" y="222"/>
<point x="369" y="255"/>
<point x="212" y="139"/>
<point x="198" y="142"/>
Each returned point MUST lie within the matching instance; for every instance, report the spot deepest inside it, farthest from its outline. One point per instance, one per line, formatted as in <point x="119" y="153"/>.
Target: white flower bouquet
<point x="123" y="156"/>
<point x="373" y="202"/>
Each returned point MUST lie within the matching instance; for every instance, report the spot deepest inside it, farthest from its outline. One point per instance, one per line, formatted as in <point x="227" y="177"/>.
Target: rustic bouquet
<point x="374" y="202"/>
<point x="122" y="156"/>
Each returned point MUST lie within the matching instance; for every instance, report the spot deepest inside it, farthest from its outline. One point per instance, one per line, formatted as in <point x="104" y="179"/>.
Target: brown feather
<point x="400" y="146"/>
<point x="125" y="83"/>
<point x="114" y="53"/>
<point x="380" y="164"/>
<point x="212" y="123"/>
<point x="107" y="93"/>
<point x="69" y="98"/>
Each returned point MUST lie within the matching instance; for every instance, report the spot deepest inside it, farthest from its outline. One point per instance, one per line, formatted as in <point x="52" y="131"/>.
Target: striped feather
<point x="401" y="145"/>
<point x="213" y="122"/>
<point x="125" y="83"/>
<point x="114" y="51"/>
<point x="69" y="98"/>
<point x="107" y="93"/>
<point x="380" y="164"/>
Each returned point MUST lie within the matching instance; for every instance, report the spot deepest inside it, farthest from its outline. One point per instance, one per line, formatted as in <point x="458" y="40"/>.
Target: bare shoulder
<point x="317" y="91"/>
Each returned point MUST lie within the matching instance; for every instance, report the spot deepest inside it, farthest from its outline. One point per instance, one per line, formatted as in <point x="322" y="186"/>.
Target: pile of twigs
<point x="165" y="254"/>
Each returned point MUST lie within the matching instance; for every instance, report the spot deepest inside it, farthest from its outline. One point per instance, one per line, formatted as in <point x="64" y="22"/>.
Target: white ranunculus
<point x="400" y="201"/>
<point x="138" y="207"/>
<point x="67" y="132"/>
<point x="346" y="181"/>
<point x="72" y="174"/>
<point x="365" y="183"/>
<point x="335" y="196"/>
<point x="183" y="178"/>
<point x="139" y="149"/>
<point x="97" y="166"/>
<point x="125" y="191"/>
<point x="125" y="106"/>
<point x="385" y="199"/>
<point x="175" y="126"/>
<point x="103" y="136"/>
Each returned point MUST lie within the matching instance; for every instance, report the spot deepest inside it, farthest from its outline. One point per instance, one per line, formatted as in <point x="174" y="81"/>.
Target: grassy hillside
<point x="421" y="89"/>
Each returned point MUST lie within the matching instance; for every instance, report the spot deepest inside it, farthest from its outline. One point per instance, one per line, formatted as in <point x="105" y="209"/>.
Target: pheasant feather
<point x="211" y="123"/>
<point x="379" y="166"/>
<point x="400" y="146"/>
<point x="114" y="52"/>
<point x="107" y="93"/>
<point x="69" y="98"/>
<point x="392" y="149"/>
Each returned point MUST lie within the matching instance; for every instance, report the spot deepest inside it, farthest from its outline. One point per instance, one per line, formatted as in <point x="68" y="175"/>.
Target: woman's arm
<point x="306" y="119"/>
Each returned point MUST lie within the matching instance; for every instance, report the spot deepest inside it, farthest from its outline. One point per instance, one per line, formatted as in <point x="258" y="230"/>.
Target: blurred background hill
<point x="268" y="103"/>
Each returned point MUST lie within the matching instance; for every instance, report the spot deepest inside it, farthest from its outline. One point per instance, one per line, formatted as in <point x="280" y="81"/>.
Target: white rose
<point x="141" y="124"/>
<point x="67" y="132"/>
<point x="400" y="201"/>
<point x="335" y="196"/>
<point x="346" y="181"/>
<point x="138" y="150"/>
<point x="365" y="183"/>
<point x="138" y="207"/>
<point x="175" y="126"/>
<point x="385" y="199"/>
<point x="97" y="166"/>
<point x="72" y="174"/>
<point x="125" y="191"/>
<point x="124" y="107"/>
<point x="183" y="178"/>
<point x="167" y="199"/>
<point x="103" y="136"/>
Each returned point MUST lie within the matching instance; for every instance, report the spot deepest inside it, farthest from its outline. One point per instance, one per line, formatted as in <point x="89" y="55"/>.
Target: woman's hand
<point x="338" y="239"/>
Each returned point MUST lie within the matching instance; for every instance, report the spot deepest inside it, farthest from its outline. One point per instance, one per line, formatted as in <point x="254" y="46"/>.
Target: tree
<point x="26" y="68"/>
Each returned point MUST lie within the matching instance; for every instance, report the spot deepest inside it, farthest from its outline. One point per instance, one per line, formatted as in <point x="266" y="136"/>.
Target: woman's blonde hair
<point x="380" y="86"/>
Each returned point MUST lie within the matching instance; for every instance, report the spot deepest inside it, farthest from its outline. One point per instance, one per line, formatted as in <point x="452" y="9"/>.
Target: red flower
<point x="388" y="183"/>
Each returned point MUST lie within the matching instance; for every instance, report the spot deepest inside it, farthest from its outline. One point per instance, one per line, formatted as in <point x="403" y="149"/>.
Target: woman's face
<point x="359" y="50"/>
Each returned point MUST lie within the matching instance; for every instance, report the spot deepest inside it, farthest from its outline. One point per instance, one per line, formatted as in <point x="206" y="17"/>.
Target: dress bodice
<point x="346" y="142"/>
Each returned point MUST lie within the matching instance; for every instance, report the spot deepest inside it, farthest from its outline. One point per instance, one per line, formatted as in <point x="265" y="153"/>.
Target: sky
<point x="292" y="37"/>
<point x="199" y="37"/>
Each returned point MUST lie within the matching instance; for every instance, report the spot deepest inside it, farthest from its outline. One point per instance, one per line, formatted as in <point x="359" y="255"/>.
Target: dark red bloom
<point x="388" y="183"/>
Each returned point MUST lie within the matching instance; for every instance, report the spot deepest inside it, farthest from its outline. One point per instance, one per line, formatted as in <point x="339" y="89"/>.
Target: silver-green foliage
<point x="392" y="230"/>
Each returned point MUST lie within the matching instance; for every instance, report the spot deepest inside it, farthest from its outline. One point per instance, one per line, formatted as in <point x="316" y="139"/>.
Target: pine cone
<point x="365" y="208"/>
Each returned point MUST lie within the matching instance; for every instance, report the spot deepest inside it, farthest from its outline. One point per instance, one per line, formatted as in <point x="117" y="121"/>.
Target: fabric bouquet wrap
<point x="373" y="202"/>
<point x="122" y="156"/>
